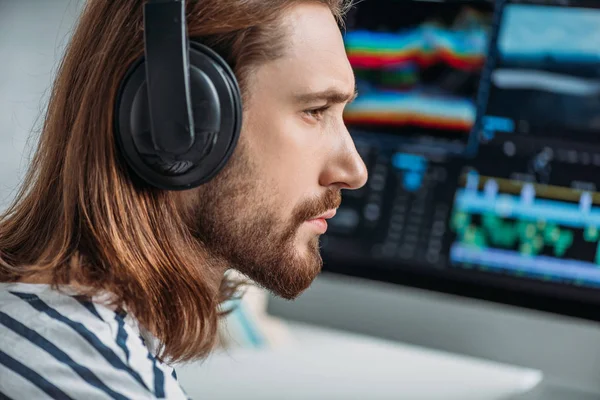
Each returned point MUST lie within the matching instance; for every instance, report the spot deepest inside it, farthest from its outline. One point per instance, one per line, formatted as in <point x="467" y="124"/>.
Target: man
<point x="105" y="279"/>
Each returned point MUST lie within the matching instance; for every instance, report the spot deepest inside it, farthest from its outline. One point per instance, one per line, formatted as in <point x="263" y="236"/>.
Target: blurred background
<point x="468" y="267"/>
<point x="33" y="34"/>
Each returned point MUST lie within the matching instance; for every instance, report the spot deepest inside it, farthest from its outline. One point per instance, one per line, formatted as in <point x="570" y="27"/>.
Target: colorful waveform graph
<point x="530" y="238"/>
<point x="555" y="238"/>
<point x="425" y="45"/>
<point x="527" y="201"/>
<point x="411" y="109"/>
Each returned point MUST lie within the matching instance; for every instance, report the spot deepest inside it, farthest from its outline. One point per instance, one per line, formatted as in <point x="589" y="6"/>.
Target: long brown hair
<point x="80" y="216"/>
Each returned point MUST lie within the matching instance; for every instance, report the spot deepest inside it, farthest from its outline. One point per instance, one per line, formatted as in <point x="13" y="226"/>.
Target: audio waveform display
<point x="415" y="109"/>
<point x="425" y="46"/>
<point x="527" y="235"/>
<point x="417" y="67"/>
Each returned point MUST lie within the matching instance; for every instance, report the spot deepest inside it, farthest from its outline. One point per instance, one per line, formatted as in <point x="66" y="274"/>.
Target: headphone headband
<point x="168" y="76"/>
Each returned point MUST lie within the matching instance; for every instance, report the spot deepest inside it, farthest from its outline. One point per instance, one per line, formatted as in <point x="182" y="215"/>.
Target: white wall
<point x="33" y="34"/>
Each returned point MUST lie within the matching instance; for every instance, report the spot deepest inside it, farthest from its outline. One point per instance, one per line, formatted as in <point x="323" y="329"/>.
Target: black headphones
<point x="178" y="112"/>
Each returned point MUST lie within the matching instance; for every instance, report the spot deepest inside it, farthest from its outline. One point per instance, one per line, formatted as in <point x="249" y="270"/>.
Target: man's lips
<point x="320" y="222"/>
<point x="326" y="215"/>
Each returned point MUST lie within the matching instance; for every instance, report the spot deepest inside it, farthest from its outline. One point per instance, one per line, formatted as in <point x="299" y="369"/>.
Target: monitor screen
<point x="518" y="219"/>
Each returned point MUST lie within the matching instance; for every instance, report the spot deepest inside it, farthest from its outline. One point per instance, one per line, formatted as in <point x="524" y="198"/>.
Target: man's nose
<point x="347" y="169"/>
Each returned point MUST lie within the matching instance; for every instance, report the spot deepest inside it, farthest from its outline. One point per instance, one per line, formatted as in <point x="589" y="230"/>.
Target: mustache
<point x="315" y="207"/>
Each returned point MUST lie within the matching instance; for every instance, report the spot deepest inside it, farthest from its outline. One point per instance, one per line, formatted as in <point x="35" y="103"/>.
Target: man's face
<point x="294" y="157"/>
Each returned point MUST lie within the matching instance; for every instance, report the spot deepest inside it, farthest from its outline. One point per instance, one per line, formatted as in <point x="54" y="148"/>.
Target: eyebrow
<point x="331" y="95"/>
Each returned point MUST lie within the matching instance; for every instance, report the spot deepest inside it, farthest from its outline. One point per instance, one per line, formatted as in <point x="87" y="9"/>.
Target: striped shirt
<point x="56" y="346"/>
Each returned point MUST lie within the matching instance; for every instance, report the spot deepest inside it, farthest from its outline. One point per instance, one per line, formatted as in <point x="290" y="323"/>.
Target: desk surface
<point x="327" y="364"/>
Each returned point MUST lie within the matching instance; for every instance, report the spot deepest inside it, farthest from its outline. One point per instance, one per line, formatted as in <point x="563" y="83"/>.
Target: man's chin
<point x="286" y="270"/>
<point x="290" y="293"/>
<point x="286" y="280"/>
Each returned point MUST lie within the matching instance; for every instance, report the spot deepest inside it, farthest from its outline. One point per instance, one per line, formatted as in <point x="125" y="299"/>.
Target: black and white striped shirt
<point x="54" y="346"/>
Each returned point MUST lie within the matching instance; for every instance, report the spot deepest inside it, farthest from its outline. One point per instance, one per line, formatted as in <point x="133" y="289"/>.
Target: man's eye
<point x="316" y="113"/>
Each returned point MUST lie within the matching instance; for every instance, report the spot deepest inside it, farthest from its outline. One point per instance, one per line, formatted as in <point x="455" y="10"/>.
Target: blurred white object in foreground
<point x="324" y="364"/>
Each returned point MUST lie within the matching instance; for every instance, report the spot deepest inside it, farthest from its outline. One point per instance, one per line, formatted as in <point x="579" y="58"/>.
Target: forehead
<point x="315" y="58"/>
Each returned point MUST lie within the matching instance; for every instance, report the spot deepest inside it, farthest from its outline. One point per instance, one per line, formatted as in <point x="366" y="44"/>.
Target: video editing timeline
<point x="527" y="229"/>
<point x="529" y="208"/>
<point x="544" y="75"/>
<point x="417" y="65"/>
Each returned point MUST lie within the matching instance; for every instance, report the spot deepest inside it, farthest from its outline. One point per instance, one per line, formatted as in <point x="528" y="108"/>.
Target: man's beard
<point x="235" y="219"/>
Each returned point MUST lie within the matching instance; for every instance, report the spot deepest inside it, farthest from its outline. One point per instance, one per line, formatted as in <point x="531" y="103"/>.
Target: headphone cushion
<point x="210" y="151"/>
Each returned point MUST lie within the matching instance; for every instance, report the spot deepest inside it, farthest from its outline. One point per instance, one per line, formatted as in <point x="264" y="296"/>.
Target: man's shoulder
<point x="39" y="314"/>
<point x="53" y="341"/>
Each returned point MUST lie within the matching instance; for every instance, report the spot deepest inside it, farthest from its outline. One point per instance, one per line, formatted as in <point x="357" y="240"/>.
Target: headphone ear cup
<point x="215" y="96"/>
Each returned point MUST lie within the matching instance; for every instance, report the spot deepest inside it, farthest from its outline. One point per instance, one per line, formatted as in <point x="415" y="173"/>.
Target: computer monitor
<point x="478" y="231"/>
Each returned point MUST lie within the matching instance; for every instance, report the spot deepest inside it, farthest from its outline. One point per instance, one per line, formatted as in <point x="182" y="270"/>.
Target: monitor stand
<point x="566" y="350"/>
